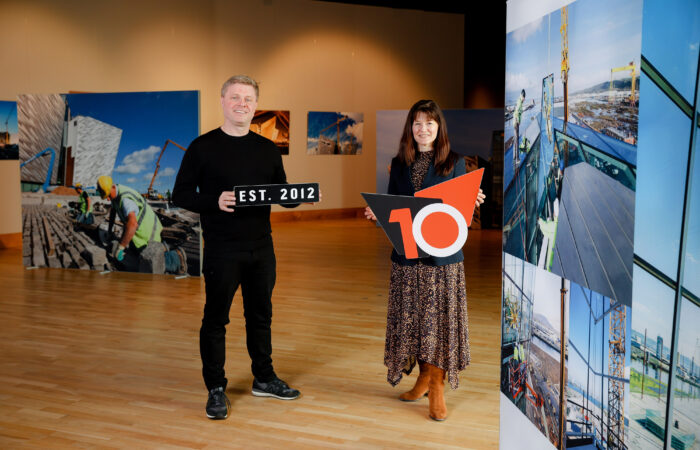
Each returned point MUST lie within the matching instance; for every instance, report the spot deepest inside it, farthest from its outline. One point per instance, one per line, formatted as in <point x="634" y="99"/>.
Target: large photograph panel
<point x="572" y="95"/>
<point x="138" y="140"/>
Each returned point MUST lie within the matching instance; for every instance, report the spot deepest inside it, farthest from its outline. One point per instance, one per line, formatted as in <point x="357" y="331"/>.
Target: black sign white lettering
<point x="276" y="194"/>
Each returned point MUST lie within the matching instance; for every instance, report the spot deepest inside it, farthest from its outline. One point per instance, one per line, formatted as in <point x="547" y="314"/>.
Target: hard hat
<point x="104" y="185"/>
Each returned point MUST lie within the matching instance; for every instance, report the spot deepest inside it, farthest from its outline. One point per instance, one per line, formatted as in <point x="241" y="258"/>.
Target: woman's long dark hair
<point x="444" y="160"/>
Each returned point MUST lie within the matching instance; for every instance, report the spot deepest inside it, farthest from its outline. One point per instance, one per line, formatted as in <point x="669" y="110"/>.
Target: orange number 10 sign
<point x="434" y="221"/>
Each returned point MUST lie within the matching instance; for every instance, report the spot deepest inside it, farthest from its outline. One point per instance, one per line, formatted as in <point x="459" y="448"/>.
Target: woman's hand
<point x="480" y="198"/>
<point x="369" y="214"/>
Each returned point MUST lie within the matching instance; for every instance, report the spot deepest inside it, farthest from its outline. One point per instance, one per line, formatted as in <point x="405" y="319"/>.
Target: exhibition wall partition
<point x="601" y="232"/>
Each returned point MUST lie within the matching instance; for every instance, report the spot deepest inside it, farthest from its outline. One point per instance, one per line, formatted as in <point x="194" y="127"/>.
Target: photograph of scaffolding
<point x="273" y="125"/>
<point x="570" y="135"/>
<point x="334" y="133"/>
<point x="598" y="359"/>
<point x="8" y="131"/>
<point x="73" y="144"/>
<point x="649" y="373"/>
<point x="534" y="305"/>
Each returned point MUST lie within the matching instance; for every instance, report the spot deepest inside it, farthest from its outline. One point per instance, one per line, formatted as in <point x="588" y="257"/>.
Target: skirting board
<point x="11" y="240"/>
<point x="313" y="214"/>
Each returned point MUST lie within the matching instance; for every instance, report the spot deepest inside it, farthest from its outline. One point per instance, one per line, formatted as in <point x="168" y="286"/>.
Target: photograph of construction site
<point x="534" y="303"/>
<point x="570" y="129"/>
<point x="334" y="133"/>
<point x="597" y="382"/>
<point x="274" y="125"/>
<point x="95" y="167"/>
<point x="8" y="130"/>
<point x="651" y="342"/>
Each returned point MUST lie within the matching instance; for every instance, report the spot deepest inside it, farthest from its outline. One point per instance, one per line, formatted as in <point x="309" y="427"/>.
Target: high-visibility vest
<point x="518" y="110"/>
<point x="149" y="226"/>
<point x="84" y="203"/>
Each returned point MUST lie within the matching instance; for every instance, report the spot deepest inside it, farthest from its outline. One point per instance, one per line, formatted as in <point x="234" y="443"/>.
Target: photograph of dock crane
<point x="572" y="97"/>
<point x="8" y="130"/>
<point x="68" y="141"/>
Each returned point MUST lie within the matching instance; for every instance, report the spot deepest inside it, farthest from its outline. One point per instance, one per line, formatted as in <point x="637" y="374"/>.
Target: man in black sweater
<point x="237" y="241"/>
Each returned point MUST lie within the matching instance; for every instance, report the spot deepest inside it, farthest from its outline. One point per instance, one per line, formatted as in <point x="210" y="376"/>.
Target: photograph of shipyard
<point x="274" y="125"/>
<point x="572" y="96"/>
<point x="98" y="169"/>
<point x="8" y="130"/>
<point x="334" y="133"/>
<point x="598" y="358"/>
<point x="531" y="352"/>
<point x="649" y="373"/>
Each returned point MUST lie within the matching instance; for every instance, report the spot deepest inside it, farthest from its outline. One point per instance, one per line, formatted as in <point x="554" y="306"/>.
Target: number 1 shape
<point x="403" y="217"/>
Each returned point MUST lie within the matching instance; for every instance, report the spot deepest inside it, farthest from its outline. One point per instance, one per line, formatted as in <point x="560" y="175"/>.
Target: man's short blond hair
<point x="241" y="79"/>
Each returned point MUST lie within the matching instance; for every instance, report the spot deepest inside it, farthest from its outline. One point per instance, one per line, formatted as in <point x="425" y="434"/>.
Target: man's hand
<point x="369" y="214"/>
<point x="117" y="251"/>
<point x="480" y="198"/>
<point x="226" y="199"/>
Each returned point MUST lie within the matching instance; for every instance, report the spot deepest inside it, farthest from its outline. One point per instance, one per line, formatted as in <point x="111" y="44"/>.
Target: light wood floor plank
<point x="112" y="361"/>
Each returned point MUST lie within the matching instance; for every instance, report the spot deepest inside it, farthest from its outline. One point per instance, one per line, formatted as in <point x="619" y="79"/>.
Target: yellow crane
<point x="150" y="193"/>
<point x="631" y="67"/>
<point x="616" y="370"/>
<point x="564" y="30"/>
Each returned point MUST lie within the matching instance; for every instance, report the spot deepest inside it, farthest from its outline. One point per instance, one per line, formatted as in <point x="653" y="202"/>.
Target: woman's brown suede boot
<point x="421" y="386"/>
<point x="436" y="394"/>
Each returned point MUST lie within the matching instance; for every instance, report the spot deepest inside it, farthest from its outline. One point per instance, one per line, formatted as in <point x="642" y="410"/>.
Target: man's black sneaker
<point x="218" y="405"/>
<point x="275" y="388"/>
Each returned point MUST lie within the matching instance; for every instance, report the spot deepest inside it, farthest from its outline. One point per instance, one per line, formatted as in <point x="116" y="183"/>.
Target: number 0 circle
<point x="452" y="212"/>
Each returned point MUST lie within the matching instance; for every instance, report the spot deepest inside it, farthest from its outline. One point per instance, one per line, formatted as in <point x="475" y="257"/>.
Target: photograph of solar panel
<point x="570" y="143"/>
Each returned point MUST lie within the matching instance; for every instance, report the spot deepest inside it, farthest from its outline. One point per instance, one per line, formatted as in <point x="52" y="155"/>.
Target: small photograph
<point x="334" y="133"/>
<point x="273" y="125"/>
<point x="531" y="344"/>
<point x="598" y="361"/>
<point x="96" y="165"/>
<point x="572" y="106"/>
<point x="9" y="148"/>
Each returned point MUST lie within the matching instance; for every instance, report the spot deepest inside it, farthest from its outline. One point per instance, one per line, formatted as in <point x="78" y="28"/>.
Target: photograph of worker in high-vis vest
<point x="77" y="149"/>
<point x="139" y="247"/>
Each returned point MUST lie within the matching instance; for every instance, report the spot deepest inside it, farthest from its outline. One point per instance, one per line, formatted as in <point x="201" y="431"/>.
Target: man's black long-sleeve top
<point x="216" y="162"/>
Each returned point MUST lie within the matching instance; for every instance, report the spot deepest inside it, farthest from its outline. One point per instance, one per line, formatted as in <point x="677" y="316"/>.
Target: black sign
<point x="273" y="194"/>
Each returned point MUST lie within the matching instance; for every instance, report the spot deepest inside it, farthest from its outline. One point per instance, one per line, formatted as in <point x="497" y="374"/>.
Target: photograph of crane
<point x="570" y="134"/>
<point x="8" y="131"/>
<point x="273" y="125"/>
<point x="598" y="360"/>
<point x="533" y="329"/>
<point x="334" y="133"/>
<point x="75" y="146"/>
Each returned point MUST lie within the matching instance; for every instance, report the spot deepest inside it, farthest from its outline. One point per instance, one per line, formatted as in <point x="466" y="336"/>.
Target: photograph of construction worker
<point x="140" y="248"/>
<point x="517" y="116"/>
<point x="85" y="215"/>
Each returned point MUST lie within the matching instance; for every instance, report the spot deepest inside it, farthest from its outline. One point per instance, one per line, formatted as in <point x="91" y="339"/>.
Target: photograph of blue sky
<point x="8" y="120"/>
<point x="147" y="119"/>
<point x="601" y="35"/>
<point x="351" y="129"/>
<point x="581" y="302"/>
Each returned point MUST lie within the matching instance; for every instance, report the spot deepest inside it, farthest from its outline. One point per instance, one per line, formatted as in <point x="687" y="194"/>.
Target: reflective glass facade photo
<point x="664" y="373"/>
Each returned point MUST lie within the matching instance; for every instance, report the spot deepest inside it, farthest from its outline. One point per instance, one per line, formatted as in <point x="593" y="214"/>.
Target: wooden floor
<point x="112" y="361"/>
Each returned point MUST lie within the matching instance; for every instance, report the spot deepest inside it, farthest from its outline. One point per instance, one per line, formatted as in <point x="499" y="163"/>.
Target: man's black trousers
<point x="254" y="271"/>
